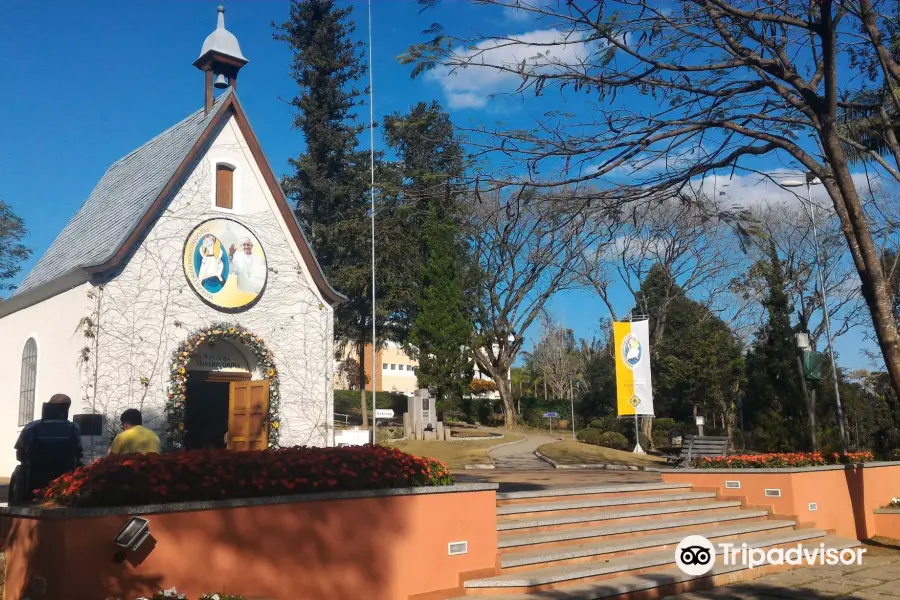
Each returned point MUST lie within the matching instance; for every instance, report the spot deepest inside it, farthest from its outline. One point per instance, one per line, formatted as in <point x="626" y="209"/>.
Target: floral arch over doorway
<point x="175" y="401"/>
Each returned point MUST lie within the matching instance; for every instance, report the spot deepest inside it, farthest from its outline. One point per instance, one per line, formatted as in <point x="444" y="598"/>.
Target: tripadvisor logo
<point x="695" y="555"/>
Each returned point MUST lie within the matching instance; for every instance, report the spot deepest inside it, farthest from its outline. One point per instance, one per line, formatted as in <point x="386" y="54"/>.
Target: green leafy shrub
<point x="347" y="401"/>
<point x="198" y="475"/>
<point x="607" y="439"/>
<point x="597" y="424"/>
<point x="589" y="436"/>
<point x="664" y="429"/>
<point x="613" y="439"/>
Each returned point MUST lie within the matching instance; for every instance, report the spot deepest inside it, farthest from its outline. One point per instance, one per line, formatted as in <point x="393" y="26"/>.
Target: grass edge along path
<point x="456" y="455"/>
<point x="569" y="452"/>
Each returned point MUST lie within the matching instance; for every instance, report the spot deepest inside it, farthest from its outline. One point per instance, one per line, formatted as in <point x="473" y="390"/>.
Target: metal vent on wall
<point x="733" y="485"/>
<point x="454" y="548"/>
<point x="773" y="493"/>
<point x="813" y="507"/>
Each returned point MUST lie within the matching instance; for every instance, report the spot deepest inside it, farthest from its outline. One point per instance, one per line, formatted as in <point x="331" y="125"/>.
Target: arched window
<point x="28" y="382"/>
<point x="224" y="186"/>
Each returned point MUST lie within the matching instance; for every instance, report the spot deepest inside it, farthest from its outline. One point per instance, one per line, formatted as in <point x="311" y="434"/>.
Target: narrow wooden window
<point x="224" y="186"/>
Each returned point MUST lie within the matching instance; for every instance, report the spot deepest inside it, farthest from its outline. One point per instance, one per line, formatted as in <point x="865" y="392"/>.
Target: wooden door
<point x="248" y="415"/>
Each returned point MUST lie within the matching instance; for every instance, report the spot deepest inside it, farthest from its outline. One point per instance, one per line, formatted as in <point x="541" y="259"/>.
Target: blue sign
<point x="551" y="415"/>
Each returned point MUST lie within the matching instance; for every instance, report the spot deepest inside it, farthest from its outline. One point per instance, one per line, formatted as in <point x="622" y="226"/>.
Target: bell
<point x="221" y="83"/>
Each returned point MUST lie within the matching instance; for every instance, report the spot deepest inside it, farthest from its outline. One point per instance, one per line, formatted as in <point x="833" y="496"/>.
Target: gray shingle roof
<point x="119" y="201"/>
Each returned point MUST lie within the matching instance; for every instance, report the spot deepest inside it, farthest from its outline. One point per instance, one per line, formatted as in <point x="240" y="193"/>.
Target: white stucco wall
<point x="54" y="324"/>
<point x="150" y="307"/>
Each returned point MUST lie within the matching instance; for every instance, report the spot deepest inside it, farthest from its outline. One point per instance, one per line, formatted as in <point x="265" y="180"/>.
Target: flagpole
<point x="372" y="210"/>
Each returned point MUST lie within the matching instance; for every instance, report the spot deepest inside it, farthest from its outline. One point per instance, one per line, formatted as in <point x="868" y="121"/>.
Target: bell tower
<point x="220" y="60"/>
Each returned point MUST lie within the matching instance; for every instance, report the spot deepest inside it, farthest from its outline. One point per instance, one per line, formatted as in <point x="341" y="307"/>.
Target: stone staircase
<point x="619" y="542"/>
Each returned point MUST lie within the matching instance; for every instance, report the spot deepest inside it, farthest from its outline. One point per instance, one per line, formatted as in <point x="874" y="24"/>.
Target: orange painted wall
<point x="887" y="524"/>
<point x="384" y="548"/>
<point x="846" y="498"/>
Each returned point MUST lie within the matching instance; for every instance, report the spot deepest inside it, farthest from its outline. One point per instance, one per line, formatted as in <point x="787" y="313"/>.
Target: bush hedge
<point x="197" y="475"/>
<point x="607" y="439"/>
<point x="348" y="401"/>
<point x="614" y="440"/>
<point x="775" y="461"/>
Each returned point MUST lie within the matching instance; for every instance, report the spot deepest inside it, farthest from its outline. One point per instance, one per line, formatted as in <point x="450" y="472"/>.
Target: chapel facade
<point x="183" y="287"/>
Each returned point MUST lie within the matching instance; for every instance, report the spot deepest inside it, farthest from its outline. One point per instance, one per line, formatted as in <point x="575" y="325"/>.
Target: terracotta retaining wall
<point x="887" y="522"/>
<point x="845" y="497"/>
<point x="380" y="544"/>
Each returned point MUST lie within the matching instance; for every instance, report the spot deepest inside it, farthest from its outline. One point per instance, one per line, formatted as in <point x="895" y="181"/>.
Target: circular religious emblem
<point x="632" y="351"/>
<point x="225" y="264"/>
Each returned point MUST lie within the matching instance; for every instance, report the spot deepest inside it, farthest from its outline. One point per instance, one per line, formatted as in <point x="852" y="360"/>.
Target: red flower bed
<point x="774" y="461"/>
<point x="135" y="479"/>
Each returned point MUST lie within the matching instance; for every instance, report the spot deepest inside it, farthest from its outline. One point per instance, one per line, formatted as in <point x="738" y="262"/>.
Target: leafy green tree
<point x="12" y="251"/>
<point x="443" y="328"/>
<point x="697" y="360"/>
<point x="330" y="184"/>
<point x="424" y="189"/>
<point x="774" y="402"/>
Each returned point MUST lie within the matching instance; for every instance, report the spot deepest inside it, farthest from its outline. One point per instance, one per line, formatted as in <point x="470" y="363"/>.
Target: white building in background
<point x="396" y="371"/>
<point x="183" y="287"/>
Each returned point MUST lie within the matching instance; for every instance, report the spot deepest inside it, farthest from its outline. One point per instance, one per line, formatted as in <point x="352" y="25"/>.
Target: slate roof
<point x="119" y="201"/>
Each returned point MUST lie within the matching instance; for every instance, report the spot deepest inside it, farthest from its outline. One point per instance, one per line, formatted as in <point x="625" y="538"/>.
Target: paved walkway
<point x="521" y="454"/>
<point x="878" y="578"/>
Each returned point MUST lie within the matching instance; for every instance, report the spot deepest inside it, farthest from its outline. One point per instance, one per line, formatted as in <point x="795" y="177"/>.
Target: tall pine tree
<point x="774" y="403"/>
<point x="331" y="179"/>
<point x="443" y="329"/>
<point x="433" y="263"/>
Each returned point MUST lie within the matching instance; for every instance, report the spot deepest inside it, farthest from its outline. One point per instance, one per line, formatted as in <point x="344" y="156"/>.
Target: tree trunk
<point x="854" y="223"/>
<point x="361" y="352"/>
<point x="647" y="430"/>
<point x="509" y="408"/>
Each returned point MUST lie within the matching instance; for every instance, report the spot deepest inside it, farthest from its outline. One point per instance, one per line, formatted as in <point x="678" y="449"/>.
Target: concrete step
<point x="635" y="544"/>
<point x="585" y="493"/>
<point x="657" y="583"/>
<point x="553" y="578"/>
<point x="582" y="519"/>
<point x="562" y="508"/>
<point x="515" y="541"/>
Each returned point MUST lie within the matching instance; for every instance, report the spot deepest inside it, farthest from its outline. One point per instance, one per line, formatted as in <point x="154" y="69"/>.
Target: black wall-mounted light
<point x="133" y="534"/>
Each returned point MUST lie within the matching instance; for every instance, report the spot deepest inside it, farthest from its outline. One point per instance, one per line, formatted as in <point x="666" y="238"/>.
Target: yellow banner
<point x="634" y="388"/>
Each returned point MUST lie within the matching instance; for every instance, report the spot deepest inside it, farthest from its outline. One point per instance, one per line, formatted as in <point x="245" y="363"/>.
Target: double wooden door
<point x="248" y="415"/>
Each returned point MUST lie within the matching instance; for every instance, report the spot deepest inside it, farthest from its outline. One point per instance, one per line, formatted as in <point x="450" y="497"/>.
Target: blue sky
<point x="85" y="83"/>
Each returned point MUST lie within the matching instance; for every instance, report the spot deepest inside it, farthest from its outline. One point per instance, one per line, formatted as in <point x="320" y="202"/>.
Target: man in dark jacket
<point x="46" y="449"/>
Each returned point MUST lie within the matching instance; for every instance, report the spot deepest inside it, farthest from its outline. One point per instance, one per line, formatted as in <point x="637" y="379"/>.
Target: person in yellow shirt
<point x="135" y="438"/>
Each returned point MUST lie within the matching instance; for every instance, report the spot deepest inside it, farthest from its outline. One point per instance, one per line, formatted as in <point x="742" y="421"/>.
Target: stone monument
<point x="422" y="416"/>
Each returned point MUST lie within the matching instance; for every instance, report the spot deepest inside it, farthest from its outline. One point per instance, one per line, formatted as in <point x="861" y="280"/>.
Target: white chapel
<point x="182" y="287"/>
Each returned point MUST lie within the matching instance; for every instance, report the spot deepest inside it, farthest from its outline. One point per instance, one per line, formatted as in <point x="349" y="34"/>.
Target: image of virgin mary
<point x="211" y="263"/>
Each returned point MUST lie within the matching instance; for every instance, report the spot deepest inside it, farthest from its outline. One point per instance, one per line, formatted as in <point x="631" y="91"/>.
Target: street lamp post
<point x="572" y="400"/>
<point x="510" y="339"/>
<point x="810" y="181"/>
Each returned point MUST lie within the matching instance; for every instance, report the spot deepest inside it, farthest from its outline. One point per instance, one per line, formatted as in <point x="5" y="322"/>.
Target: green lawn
<point x="456" y="455"/>
<point x="570" y="452"/>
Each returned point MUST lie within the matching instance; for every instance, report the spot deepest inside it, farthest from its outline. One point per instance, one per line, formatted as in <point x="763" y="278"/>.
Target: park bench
<point x="699" y="446"/>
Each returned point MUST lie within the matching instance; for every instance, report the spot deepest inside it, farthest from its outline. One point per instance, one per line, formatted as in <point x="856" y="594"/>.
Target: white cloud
<point x="543" y="51"/>
<point x="755" y="189"/>
<point x="465" y="100"/>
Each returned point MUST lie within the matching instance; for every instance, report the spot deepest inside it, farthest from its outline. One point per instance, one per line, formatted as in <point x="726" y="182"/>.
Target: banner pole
<point x="637" y="437"/>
